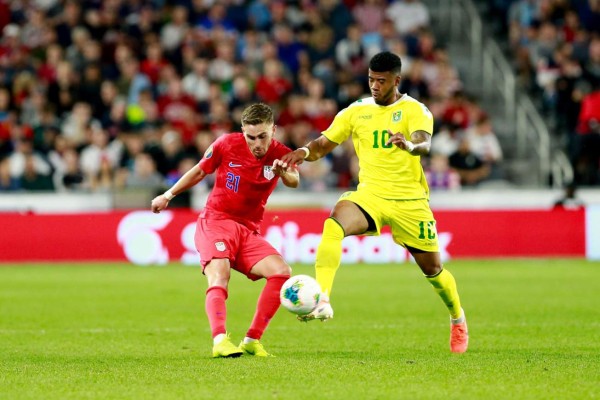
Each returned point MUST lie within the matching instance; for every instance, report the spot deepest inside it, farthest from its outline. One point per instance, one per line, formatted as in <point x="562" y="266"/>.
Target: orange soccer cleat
<point x="459" y="334"/>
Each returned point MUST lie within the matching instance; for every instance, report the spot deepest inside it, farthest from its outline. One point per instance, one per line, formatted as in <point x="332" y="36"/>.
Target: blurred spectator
<point x="439" y="174"/>
<point x="172" y="148"/>
<point x="485" y="145"/>
<point x="99" y="154"/>
<point x="89" y="88"/>
<point x="350" y="53"/>
<point x="408" y="15"/>
<point x="272" y="85"/>
<point x="71" y="177"/>
<point x="289" y="50"/>
<point x="321" y="53"/>
<point x="196" y="82"/>
<point x="144" y="174"/>
<point x="337" y="15"/>
<point x="25" y="158"/>
<point x="470" y="168"/>
<point x="172" y="33"/>
<point x="178" y="108"/>
<point x="447" y="140"/>
<point x="457" y="111"/>
<point x="369" y="14"/>
<point x="153" y="62"/>
<point x="32" y="179"/>
<point x="76" y="123"/>
<point x="413" y="81"/>
<point x="131" y="81"/>
<point x="62" y="92"/>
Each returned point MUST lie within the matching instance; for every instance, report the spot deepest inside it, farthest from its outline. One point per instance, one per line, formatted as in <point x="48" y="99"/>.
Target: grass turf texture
<point x="124" y="332"/>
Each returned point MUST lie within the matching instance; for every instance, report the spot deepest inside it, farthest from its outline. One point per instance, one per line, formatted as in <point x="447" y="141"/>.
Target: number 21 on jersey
<point x="233" y="182"/>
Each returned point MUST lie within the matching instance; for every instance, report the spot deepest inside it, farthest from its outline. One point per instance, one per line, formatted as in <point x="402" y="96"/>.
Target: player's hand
<point x="280" y="168"/>
<point x="293" y="158"/>
<point x="159" y="203"/>
<point x="399" y="140"/>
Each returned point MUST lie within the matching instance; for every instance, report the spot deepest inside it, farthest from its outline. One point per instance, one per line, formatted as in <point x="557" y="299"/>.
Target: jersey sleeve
<point x="340" y="129"/>
<point x="212" y="156"/>
<point x="421" y="119"/>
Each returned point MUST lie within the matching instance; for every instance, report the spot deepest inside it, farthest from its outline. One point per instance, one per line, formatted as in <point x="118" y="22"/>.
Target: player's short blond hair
<point x="257" y="114"/>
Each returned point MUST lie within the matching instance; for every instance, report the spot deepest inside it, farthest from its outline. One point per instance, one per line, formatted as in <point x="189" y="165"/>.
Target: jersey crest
<point x="397" y="116"/>
<point x="268" y="172"/>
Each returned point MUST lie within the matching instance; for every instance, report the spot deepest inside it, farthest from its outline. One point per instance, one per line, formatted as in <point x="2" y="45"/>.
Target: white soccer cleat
<point x="322" y="312"/>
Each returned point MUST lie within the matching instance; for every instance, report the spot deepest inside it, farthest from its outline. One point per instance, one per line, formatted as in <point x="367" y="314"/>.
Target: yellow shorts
<point x="411" y="221"/>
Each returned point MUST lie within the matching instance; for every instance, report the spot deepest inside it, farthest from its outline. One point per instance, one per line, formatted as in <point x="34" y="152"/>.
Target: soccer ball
<point x="300" y="294"/>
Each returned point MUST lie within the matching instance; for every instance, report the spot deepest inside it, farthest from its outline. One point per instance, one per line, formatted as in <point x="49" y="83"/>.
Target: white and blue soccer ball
<point x="300" y="294"/>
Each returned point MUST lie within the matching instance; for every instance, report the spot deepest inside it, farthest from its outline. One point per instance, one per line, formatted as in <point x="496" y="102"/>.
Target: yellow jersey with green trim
<point x="385" y="170"/>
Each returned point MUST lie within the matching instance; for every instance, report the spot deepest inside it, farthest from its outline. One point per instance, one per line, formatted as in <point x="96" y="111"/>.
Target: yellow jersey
<point x="385" y="170"/>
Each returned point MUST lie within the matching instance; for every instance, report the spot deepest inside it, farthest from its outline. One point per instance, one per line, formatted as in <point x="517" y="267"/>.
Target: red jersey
<point x="243" y="182"/>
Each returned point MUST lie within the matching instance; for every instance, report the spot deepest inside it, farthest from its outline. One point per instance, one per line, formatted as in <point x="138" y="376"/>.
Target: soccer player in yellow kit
<point x="390" y="131"/>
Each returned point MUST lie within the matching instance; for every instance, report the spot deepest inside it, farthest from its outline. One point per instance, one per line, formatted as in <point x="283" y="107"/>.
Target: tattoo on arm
<point x="422" y="142"/>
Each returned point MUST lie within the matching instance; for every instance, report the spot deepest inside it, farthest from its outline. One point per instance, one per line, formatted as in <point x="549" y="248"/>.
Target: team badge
<point x="209" y="152"/>
<point x="397" y="116"/>
<point x="220" y="246"/>
<point x="268" y="172"/>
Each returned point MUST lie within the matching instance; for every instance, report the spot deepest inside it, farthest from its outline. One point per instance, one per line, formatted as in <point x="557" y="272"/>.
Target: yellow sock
<point x="329" y="254"/>
<point x="445" y="286"/>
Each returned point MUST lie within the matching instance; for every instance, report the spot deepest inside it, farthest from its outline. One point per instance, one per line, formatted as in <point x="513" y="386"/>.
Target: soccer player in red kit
<point x="227" y="236"/>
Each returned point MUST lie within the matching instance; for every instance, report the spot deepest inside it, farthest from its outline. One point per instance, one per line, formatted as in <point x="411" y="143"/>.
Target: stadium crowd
<point x="103" y="95"/>
<point x="556" y="53"/>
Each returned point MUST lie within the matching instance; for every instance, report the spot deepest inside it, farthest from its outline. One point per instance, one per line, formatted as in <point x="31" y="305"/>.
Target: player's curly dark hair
<point x="385" y="62"/>
<point x="256" y="114"/>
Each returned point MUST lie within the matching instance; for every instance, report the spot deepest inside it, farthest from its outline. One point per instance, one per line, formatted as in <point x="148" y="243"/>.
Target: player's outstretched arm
<point x="418" y="145"/>
<point x="289" y="175"/>
<point x="313" y="151"/>
<point x="189" y="179"/>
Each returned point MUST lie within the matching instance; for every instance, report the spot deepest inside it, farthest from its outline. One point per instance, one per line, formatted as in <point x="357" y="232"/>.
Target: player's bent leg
<point x="276" y="271"/>
<point x="444" y="285"/>
<point x="267" y="305"/>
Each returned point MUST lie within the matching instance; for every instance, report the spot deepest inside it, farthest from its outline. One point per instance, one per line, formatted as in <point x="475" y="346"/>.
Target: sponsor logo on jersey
<point x="220" y="246"/>
<point x="268" y="172"/>
<point x="233" y="165"/>
<point x="397" y="116"/>
<point x="209" y="152"/>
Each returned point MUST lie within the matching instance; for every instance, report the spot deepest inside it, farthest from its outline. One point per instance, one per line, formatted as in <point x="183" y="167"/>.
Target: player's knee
<point x="217" y="273"/>
<point x="431" y="268"/>
<point x="282" y="269"/>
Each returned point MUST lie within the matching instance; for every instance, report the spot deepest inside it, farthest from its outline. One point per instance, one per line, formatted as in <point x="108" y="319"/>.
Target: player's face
<point x="383" y="87"/>
<point x="259" y="138"/>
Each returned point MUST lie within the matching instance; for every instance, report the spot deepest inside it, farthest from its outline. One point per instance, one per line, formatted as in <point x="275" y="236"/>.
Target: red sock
<point x="268" y="304"/>
<point x="215" y="309"/>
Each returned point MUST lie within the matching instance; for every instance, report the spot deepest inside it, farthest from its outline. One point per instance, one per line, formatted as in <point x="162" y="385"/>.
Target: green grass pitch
<point x="118" y="331"/>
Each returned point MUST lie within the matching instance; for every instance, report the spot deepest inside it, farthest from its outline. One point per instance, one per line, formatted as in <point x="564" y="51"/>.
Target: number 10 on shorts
<point x="428" y="226"/>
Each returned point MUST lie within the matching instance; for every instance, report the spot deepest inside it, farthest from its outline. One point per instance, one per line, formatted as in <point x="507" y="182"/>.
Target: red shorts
<point x="228" y="239"/>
